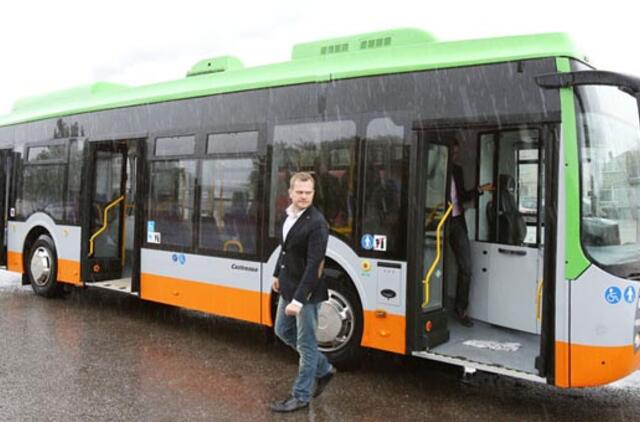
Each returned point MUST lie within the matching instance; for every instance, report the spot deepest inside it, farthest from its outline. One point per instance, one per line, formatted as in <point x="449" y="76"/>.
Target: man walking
<point x="298" y="279"/>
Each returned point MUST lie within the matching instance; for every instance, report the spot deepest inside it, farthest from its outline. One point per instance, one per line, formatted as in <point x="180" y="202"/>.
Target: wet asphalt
<point x="103" y="356"/>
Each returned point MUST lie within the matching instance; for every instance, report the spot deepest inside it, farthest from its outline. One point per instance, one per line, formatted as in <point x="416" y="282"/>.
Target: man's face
<point x="301" y="194"/>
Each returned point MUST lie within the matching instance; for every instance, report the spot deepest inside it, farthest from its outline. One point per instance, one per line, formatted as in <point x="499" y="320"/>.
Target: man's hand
<point x="486" y="187"/>
<point x="292" y="309"/>
<point x="275" y="284"/>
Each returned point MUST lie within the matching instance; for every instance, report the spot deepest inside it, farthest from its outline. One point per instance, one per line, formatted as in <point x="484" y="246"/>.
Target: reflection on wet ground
<point x="98" y="355"/>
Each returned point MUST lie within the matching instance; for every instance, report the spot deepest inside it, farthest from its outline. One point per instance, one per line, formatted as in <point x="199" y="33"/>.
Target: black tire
<point x="339" y="338"/>
<point x="42" y="268"/>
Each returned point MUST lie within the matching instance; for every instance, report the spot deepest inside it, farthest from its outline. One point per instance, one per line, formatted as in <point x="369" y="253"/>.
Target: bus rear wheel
<point x="42" y="268"/>
<point x="340" y="324"/>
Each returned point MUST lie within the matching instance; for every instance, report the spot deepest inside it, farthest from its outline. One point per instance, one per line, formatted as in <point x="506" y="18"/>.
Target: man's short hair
<point x="301" y="176"/>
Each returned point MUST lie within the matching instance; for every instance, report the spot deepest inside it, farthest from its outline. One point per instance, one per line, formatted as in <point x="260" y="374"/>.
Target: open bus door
<point x="5" y="177"/>
<point x="431" y="212"/>
<point x="113" y="237"/>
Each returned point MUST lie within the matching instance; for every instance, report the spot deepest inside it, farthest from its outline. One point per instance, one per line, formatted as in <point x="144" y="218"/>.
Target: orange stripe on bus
<point x="562" y="364"/>
<point x="384" y="331"/>
<point x="219" y="300"/>
<point x="14" y="262"/>
<point x="597" y="365"/>
<point x="69" y="272"/>
<point x="266" y="310"/>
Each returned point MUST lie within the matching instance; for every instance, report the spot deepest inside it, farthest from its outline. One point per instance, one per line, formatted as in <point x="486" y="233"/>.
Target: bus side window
<point x="383" y="181"/>
<point x="228" y="207"/>
<point x="42" y="184"/>
<point x="327" y="150"/>
<point x="172" y="190"/>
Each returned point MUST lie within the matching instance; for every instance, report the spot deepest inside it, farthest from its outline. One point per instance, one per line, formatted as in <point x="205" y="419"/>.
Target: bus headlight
<point x="637" y="341"/>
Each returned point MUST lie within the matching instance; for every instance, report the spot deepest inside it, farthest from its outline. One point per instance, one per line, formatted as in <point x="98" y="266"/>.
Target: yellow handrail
<point x="104" y="222"/>
<point x="539" y="300"/>
<point x="427" y="278"/>
<point x="237" y="243"/>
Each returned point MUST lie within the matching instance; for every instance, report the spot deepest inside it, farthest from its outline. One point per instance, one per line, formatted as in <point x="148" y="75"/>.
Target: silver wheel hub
<point x="335" y="323"/>
<point x="40" y="266"/>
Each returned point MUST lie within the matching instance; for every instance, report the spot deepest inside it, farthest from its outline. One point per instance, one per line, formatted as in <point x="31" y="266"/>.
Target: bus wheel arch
<point x="41" y="263"/>
<point x="343" y="298"/>
<point x="341" y="319"/>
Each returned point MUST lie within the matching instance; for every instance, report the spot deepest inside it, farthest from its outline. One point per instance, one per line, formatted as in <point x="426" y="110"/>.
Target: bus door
<point x="506" y="254"/>
<point x="5" y="177"/>
<point x="431" y="211"/>
<point x="113" y="236"/>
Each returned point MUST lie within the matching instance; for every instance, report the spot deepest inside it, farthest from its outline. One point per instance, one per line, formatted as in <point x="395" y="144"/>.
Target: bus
<point x="171" y="192"/>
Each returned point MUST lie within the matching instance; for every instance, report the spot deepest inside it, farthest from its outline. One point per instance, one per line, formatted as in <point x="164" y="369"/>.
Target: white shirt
<point x="292" y="217"/>
<point x="455" y="200"/>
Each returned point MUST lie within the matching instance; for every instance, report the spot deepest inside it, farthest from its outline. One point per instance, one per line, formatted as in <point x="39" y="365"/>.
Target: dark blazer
<point x="463" y="194"/>
<point x="301" y="261"/>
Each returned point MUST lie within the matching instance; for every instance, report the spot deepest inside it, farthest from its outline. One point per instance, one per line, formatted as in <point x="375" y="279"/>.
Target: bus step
<point x="471" y="366"/>
<point x="121" y="285"/>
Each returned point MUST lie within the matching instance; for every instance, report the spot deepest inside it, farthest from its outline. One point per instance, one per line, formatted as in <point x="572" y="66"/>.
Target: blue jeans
<point x="299" y="332"/>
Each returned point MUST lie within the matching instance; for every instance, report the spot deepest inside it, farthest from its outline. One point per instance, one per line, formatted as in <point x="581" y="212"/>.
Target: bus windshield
<point x="609" y="136"/>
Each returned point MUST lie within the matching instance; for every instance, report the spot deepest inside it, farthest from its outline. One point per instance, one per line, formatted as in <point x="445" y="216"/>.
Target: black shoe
<point x="290" y="404"/>
<point x="323" y="381"/>
<point x="463" y="319"/>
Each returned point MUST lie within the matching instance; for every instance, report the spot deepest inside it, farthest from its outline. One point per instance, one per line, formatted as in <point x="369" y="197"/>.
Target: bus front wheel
<point x="42" y="268"/>
<point x="340" y="323"/>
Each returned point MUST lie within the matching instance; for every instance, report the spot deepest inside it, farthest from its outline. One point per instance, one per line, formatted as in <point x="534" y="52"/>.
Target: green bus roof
<point x="377" y="53"/>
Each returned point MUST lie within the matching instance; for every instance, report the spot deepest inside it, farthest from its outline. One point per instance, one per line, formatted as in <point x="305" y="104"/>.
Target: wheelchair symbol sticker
<point x="612" y="295"/>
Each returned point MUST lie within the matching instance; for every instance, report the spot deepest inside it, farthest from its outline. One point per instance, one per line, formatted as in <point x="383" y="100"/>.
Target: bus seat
<point x="512" y="228"/>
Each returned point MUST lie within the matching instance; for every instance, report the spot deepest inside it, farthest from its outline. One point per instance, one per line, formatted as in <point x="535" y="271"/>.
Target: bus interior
<point x="506" y="235"/>
<point x="114" y="236"/>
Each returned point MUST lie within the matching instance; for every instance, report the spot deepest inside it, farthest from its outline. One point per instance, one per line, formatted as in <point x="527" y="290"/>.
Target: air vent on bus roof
<point x="362" y="42"/>
<point x="215" y="65"/>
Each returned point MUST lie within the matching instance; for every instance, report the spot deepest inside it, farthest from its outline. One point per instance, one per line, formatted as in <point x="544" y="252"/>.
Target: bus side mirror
<point x="629" y="84"/>
<point x="626" y="83"/>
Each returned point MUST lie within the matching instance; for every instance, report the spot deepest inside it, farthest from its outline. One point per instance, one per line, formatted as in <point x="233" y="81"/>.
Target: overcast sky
<point x="53" y="45"/>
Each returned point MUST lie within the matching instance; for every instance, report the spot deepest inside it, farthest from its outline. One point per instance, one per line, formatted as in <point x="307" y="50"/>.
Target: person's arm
<point x="276" y="270"/>
<point x="316" y="250"/>
<point x="473" y="193"/>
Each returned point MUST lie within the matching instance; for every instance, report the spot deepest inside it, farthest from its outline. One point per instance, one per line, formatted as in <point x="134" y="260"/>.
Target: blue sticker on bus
<point x="183" y="259"/>
<point x="367" y="242"/>
<point x="629" y="294"/>
<point x="174" y="257"/>
<point x="613" y="295"/>
<point x="151" y="226"/>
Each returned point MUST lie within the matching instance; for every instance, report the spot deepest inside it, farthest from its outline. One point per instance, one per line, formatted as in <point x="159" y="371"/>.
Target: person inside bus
<point x="331" y="193"/>
<point x="458" y="234"/>
<point x="298" y="278"/>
